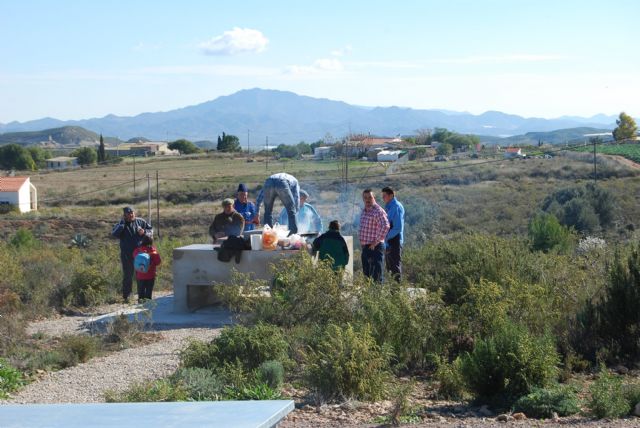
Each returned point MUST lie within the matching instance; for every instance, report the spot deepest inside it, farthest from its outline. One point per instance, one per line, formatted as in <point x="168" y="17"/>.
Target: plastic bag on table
<point x="269" y="238"/>
<point x="296" y="241"/>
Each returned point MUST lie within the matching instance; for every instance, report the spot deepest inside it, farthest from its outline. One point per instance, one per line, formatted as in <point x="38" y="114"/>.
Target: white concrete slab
<point x="213" y="414"/>
<point x="159" y="314"/>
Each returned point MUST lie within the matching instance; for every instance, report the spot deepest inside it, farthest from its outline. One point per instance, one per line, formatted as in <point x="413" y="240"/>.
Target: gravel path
<point x="87" y="383"/>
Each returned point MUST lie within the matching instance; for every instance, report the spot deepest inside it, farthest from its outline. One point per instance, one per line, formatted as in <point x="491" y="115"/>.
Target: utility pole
<point x="149" y="197"/>
<point x="595" y="172"/>
<point x="134" y="176"/>
<point x="157" y="206"/>
<point x="266" y="165"/>
<point x="248" y="141"/>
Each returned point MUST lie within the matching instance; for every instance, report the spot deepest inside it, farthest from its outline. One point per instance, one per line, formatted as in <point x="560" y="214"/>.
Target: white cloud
<point x="236" y="41"/>
<point x="322" y="65"/>
<point x="499" y="59"/>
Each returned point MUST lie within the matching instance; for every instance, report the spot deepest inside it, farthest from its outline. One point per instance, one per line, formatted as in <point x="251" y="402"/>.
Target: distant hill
<point x="64" y="136"/>
<point x="285" y="117"/>
<point x="559" y="136"/>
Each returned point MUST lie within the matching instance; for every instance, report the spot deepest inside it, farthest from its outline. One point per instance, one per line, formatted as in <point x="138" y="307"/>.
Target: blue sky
<point x="80" y="59"/>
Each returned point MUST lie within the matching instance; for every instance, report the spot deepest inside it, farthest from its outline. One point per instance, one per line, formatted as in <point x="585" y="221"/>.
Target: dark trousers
<point x="393" y="258"/>
<point x="372" y="262"/>
<point x="127" y="273"/>
<point x="145" y="288"/>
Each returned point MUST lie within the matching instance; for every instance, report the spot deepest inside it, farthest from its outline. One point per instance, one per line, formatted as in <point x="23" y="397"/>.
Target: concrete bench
<point x="196" y="268"/>
<point x="216" y="414"/>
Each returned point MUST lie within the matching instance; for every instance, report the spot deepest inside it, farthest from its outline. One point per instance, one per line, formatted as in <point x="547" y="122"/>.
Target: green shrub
<point x="547" y="234"/>
<point x="302" y="293"/>
<point x="607" y="396"/>
<point x="88" y="287"/>
<point x="587" y="208"/>
<point x="198" y="354"/>
<point x="123" y="331"/>
<point x="347" y="364"/>
<point x="46" y="360"/>
<point x="271" y="373"/>
<point x="78" y="349"/>
<point x="258" y="391"/>
<point x="151" y="391"/>
<point x="412" y="324"/>
<point x="451" y="384"/>
<point x="543" y="403"/>
<point x="201" y="384"/>
<point x="10" y="379"/>
<point x="510" y="363"/>
<point x="251" y="346"/>
<point x="23" y="238"/>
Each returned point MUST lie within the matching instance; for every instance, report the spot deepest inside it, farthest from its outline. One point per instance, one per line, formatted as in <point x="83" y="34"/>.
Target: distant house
<point x="62" y="162"/>
<point x="513" y="153"/>
<point x="389" y="155"/>
<point x="142" y="148"/>
<point x="20" y="192"/>
<point x="320" y="153"/>
<point x="360" y="145"/>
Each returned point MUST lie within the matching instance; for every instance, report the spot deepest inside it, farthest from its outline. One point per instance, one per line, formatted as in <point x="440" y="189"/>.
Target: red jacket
<point x="155" y="261"/>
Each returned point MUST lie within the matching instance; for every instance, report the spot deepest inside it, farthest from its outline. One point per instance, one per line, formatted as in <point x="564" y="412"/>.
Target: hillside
<point x="285" y="117"/>
<point x="558" y="136"/>
<point x="64" y="136"/>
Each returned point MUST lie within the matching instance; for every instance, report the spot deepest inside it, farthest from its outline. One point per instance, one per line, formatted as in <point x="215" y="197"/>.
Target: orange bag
<point x="269" y="238"/>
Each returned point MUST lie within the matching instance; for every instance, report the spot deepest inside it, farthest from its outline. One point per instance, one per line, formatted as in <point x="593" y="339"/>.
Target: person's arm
<point x="395" y="222"/>
<point x="117" y="230"/>
<point x="295" y="191"/>
<point x="383" y="222"/>
<point x="148" y="230"/>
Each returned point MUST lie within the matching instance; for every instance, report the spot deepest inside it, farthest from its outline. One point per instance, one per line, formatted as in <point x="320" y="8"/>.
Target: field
<point x="629" y="151"/>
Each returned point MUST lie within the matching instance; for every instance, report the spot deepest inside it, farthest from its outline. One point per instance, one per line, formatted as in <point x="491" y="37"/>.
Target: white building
<point x="320" y="153"/>
<point x="389" y="155"/>
<point x="62" y="162"/>
<point x="20" y="192"/>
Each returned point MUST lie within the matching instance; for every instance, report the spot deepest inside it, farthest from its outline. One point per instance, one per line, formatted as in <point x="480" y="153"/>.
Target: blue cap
<point x="242" y="188"/>
<point x="127" y="210"/>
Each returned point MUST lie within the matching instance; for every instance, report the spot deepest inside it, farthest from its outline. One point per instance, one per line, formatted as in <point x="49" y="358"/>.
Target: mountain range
<point x="288" y="118"/>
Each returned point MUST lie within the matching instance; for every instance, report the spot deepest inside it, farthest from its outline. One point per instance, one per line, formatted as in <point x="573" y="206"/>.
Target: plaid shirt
<point x="374" y="225"/>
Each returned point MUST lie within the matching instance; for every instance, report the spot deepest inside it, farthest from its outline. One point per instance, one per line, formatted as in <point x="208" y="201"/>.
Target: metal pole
<point x="149" y="197"/>
<point x="157" y="206"/>
<point x="266" y="165"/>
<point x="134" y="176"/>
<point x="595" y="172"/>
<point x="248" y="151"/>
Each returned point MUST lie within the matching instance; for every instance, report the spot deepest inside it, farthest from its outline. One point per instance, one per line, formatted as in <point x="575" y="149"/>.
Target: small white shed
<point x="389" y="155"/>
<point x="20" y="192"/>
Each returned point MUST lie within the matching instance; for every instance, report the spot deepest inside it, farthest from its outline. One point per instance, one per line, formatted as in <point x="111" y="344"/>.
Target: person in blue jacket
<point x="308" y="218"/>
<point x="284" y="186"/>
<point x="395" y="236"/>
<point x="130" y="231"/>
<point x="246" y="208"/>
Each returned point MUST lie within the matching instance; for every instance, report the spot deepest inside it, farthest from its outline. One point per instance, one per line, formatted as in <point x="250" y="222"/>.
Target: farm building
<point x="513" y="153"/>
<point x="20" y="192"/>
<point x="390" y="155"/>
<point x="62" y="162"/>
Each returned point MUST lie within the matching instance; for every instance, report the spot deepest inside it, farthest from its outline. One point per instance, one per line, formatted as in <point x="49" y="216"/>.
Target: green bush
<point x="201" y="384"/>
<point x="547" y="234"/>
<point x="251" y="346"/>
<point x="347" y="364"/>
<point x="23" y="238"/>
<point x="10" y="379"/>
<point x="451" y="384"/>
<point x="151" y="391"/>
<point x="607" y="396"/>
<point x="88" y="287"/>
<point x="258" y="391"/>
<point x="198" y="354"/>
<point x="543" y="403"/>
<point x="587" y="208"/>
<point x="510" y="363"/>
<point x="271" y="373"/>
<point x="78" y="349"/>
<point x="414" y="325"/>
<point x="124" y="332"/>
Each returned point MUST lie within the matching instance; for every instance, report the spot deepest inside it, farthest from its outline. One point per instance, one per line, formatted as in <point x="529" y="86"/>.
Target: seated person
<point x="228" y="223"/>
<point x="332" y="246"/>
<point x="308" y="219"/>
<point x="246" y="208"/>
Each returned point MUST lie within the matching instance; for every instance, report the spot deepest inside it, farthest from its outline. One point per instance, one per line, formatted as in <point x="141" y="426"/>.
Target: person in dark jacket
<point x="130" y="231"/>
<point x="332" y="246"/>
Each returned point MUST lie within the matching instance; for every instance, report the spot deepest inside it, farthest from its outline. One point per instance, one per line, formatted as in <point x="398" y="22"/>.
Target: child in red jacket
<point x="146" y="280"/>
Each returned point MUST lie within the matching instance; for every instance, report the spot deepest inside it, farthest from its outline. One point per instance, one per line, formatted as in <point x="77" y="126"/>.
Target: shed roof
<point x="12" y="184"/>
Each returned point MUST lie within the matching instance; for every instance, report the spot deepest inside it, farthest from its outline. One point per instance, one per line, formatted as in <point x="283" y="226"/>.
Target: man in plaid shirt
<point x="374" y="226"/>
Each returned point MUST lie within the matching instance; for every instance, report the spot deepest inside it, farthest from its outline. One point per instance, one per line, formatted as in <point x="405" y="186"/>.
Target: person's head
<point x="334" y="225"/>
<point x="128" y="213"/>
<point x="303" y="197"/>
<point x="227" y="205"/>
<point x="243" y="193"/>
<point x="387" y="194"/>
<point x="368" y="198"/>
<point x="147" y="241"/>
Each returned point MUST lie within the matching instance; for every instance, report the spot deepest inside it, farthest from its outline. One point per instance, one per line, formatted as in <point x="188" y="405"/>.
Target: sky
<point x="540" y="58"/>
